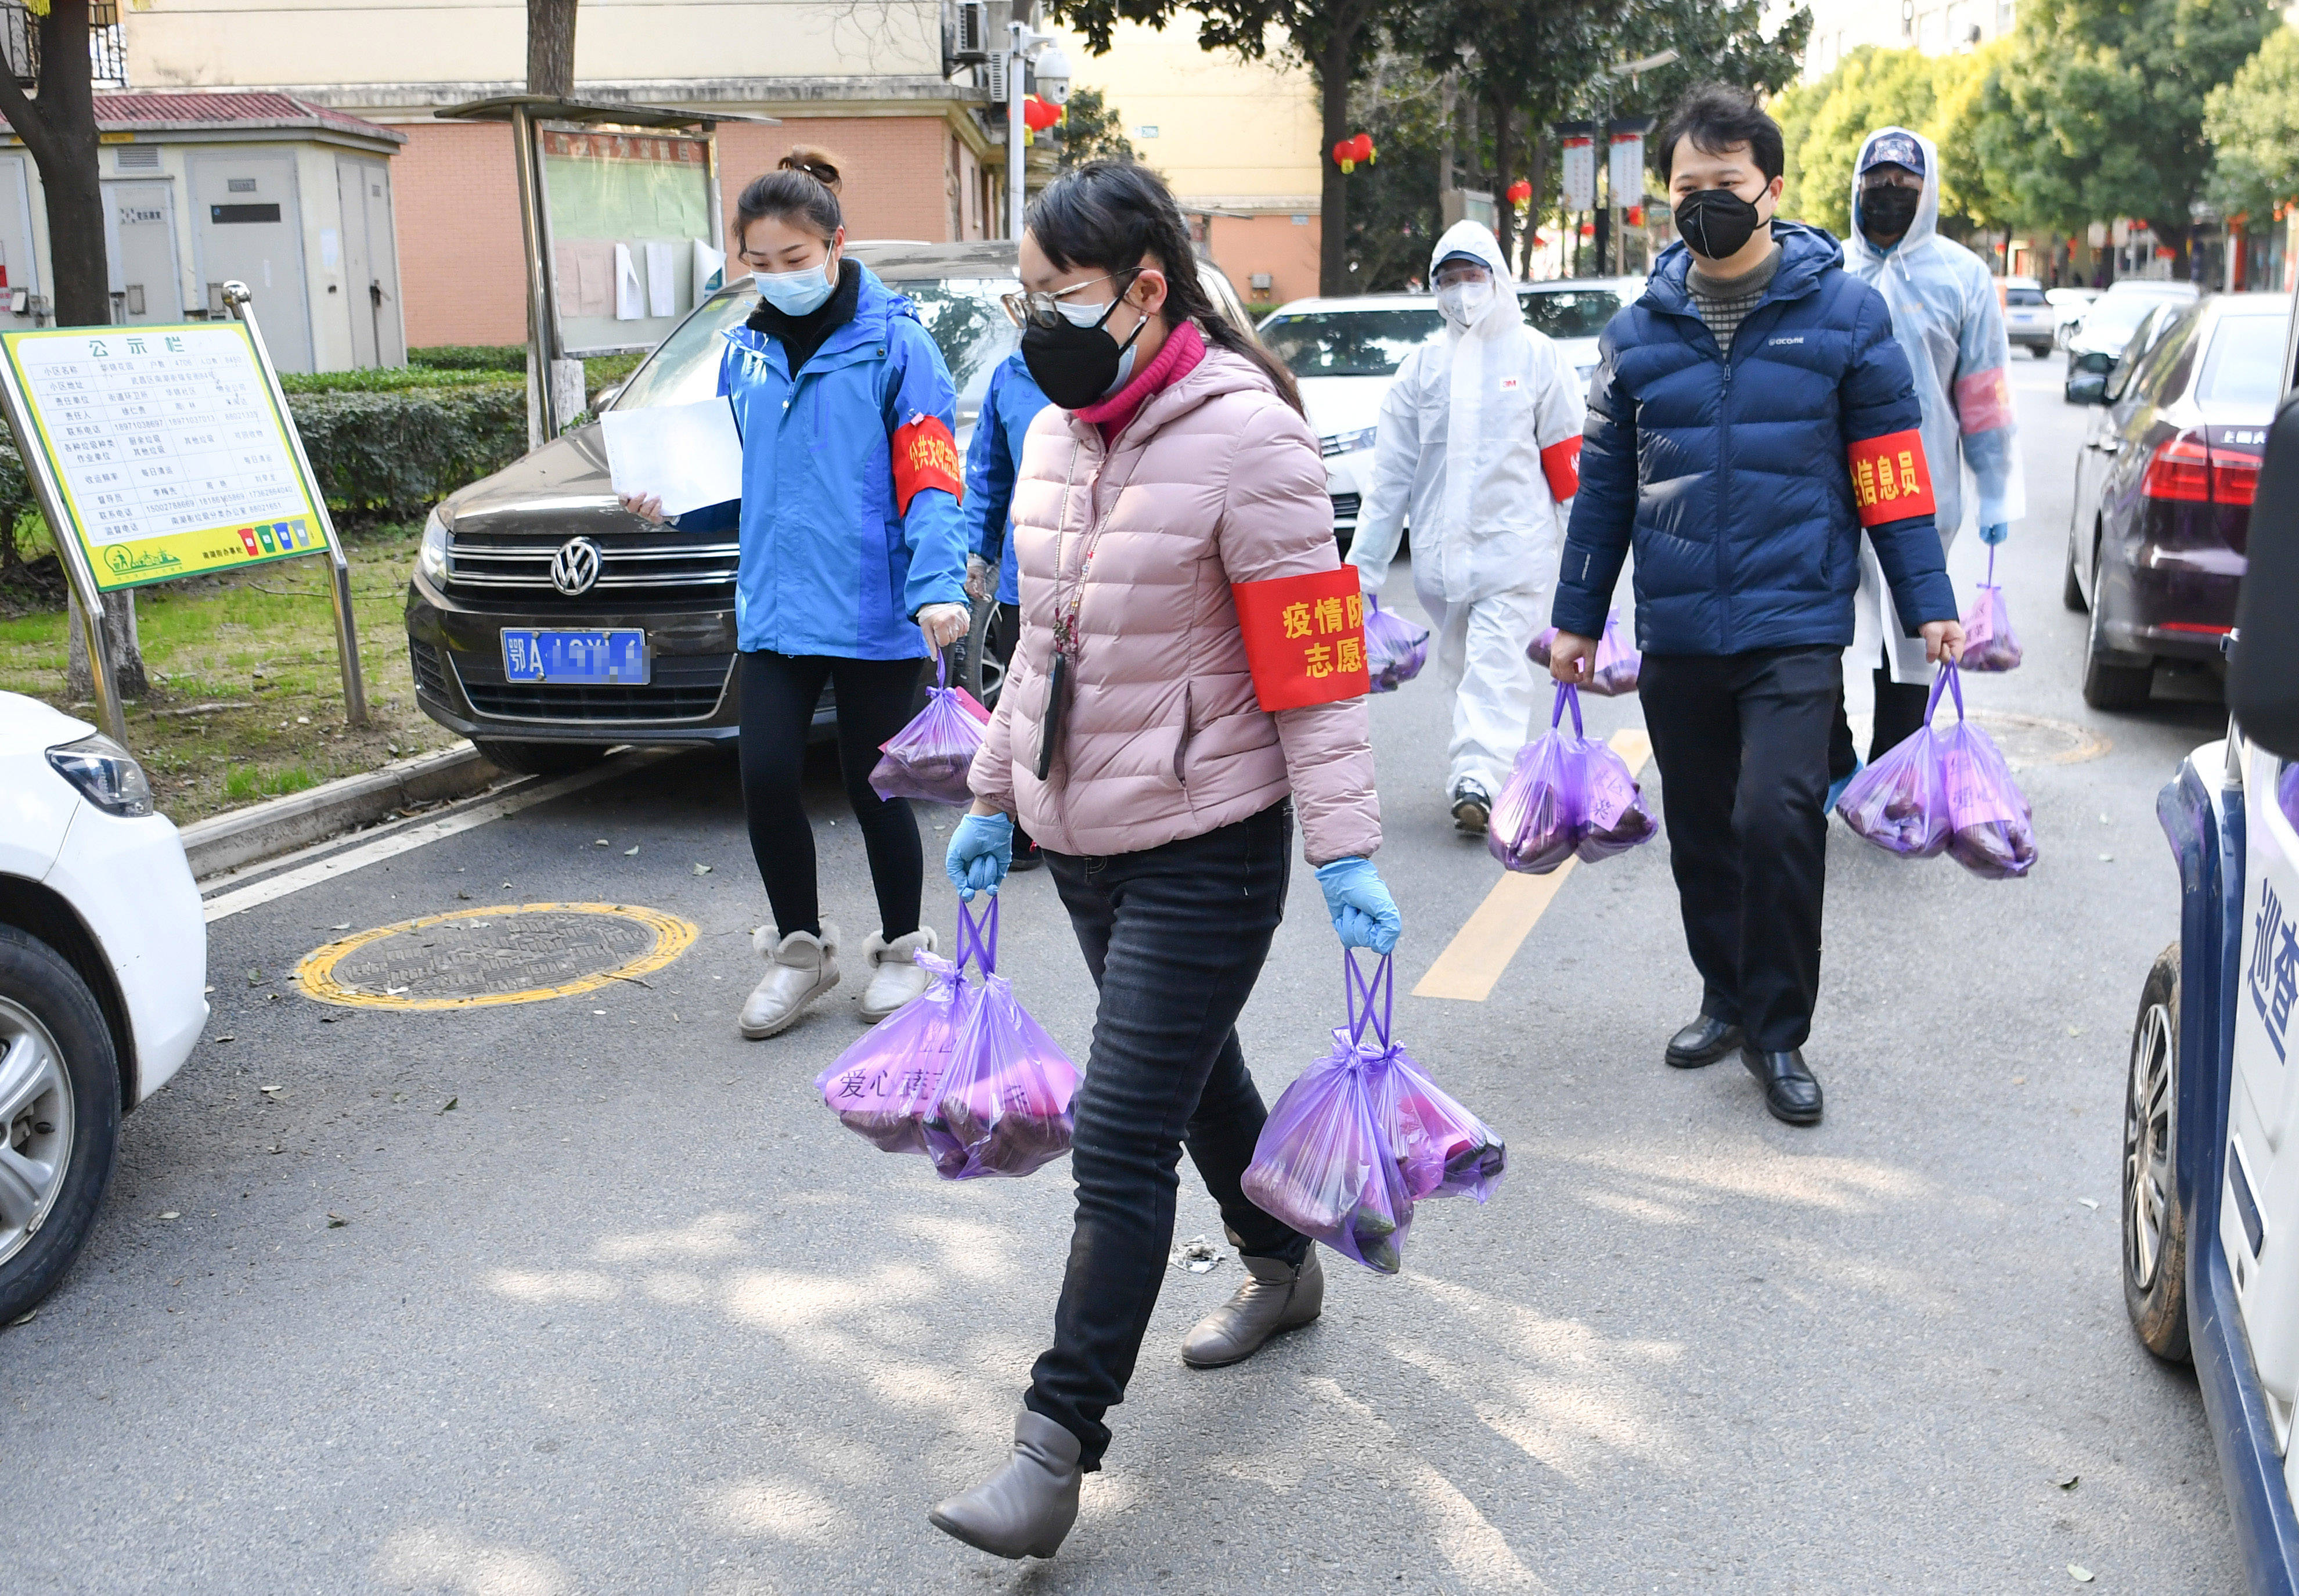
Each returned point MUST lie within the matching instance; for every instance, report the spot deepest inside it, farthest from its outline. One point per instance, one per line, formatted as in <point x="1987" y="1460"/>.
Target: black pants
<point x="876" y="698"/>
<point x="1176" y="937"/>
<point x="1899" y="712"/>
<point x="1742" y="744"/>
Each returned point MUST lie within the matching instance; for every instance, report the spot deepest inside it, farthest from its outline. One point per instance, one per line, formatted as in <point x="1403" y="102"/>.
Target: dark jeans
<point x="1176" y="937"/>
<point x="1742" y="744"/>
<point x="1899" y="712"/>
<point x="876" y="698"/>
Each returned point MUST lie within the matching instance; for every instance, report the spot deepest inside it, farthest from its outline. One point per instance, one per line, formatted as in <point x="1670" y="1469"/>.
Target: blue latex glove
<point x="981" y="852"/>
<point x="1364" y="915"/>
<point x="1992" y="536"/>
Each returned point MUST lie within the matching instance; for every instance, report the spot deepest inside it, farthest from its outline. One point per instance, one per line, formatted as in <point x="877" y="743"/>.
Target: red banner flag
<point x="1304" y="638"/>
<point x="1889" y="480"/>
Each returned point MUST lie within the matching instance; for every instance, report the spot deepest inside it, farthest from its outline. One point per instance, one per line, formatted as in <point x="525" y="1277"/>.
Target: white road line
<point x="224" y="905"/>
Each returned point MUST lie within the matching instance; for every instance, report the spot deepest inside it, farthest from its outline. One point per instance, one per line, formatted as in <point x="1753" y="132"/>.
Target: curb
<point x="261" y="831"/>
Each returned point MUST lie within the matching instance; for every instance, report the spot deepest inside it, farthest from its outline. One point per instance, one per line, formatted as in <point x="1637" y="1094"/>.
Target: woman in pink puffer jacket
<point x="1171" y="464"/>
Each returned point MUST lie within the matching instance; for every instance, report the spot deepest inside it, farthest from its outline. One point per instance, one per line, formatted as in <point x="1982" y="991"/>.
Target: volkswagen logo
<point x="575" y="567"/>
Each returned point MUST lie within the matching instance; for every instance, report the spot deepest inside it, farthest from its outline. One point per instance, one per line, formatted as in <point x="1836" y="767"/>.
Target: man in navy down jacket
<point x="1750" y="416"/>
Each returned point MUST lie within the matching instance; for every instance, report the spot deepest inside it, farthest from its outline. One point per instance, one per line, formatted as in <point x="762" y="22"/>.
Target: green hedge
<point x="391" y="378"/>
<point x="471" y="357"/>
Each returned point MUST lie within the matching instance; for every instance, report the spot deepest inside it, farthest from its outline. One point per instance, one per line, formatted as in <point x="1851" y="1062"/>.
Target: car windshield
<point x="1350" y="343"/>
<point x="2245" y="363"/>
<point x="962" y="313"/>
<point x="2024" y="296"/>
<point x="1569" y="312"/>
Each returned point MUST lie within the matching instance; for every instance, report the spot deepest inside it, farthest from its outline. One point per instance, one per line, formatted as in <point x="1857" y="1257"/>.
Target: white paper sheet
<point x="662" y="287"/>
<point x="707" y="264"/>
<point x="630" y="295"/>
<point x="688" y="455"/>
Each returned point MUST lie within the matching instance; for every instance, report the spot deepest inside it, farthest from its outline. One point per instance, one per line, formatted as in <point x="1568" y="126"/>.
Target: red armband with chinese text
<point x="926" y="456"/>
<point x="1890" y="481"/>
<point x="1304" y="638"/>
<point x="1560" y="462"/>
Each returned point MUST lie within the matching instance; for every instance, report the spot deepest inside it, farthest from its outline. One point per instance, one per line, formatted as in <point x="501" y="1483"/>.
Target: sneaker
<point x="799" y="969"/>
<point x="1836" y="788"/>
<point x="1472" y="809"/>
<point x="895" y="977"/>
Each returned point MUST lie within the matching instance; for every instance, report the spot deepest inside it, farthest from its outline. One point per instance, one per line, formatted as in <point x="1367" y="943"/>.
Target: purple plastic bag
<point x="1004" y="1107"/>
<point x="1441" y="1148"/>
<point x="1326" y="1167"/>
<point x="1945" y="792"/>
<point x="1989" y="643"/>
<point x="1566" y="796"/>
<point x="1616" y="666"/>
<point x="1395" y="648"/>
<point x="931" y="757"/>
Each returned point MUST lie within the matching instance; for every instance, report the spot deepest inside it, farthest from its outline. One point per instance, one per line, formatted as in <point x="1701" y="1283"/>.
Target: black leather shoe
<point x="1789" y="1091"/>
<point x="1702" y="1041"/>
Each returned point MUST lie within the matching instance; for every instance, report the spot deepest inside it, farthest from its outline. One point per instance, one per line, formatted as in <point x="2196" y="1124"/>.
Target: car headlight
<point x="1349" y="442"/>
<point x="432" y="560"/>
<point x="106" y="774"/>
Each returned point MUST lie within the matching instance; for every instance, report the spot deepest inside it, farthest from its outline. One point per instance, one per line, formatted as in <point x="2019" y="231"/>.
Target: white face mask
<point x="1461" y="302"/>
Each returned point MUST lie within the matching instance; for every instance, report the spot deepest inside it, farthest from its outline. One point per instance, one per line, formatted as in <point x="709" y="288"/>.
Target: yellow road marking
<point x="1472" y="963"/>
<point x="316" y="975"/>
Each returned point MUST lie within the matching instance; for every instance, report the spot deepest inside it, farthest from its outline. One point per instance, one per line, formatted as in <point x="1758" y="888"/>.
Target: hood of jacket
<point x="1864" y="256"/>
<point x="1502" y="310"/>
<point x="1805" y="252"/>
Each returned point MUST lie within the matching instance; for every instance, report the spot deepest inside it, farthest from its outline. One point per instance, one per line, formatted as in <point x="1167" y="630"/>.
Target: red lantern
<point x="1520" y="192"/>
<point x="1038" y="116"/>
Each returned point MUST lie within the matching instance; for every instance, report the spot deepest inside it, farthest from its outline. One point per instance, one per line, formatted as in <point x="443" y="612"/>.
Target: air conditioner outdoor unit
<point x="972" y="31"/>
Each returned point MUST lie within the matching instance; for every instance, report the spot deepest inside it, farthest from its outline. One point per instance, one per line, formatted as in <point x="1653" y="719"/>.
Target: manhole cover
<point x="511" y="953"/>
<point x="2029" y="740"/>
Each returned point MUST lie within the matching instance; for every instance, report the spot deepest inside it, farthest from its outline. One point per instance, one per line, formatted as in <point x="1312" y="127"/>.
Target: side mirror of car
<point x="2088" y="388"/>
<point x="2263" y="670"/>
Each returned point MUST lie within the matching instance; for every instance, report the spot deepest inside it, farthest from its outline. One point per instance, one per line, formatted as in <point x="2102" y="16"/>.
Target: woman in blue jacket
<point x="853" y="568"/>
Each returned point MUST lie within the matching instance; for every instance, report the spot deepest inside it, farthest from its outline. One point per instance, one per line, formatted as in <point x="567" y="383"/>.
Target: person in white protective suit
<point x="1947" y="318"/>
<point x="1480" y="441"/>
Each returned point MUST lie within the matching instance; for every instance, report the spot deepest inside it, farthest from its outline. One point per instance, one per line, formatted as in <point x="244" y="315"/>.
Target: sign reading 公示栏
<point x="171" y="457"/>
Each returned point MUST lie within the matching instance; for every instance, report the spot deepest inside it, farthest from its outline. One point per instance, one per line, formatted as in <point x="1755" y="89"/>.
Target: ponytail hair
<point x="1113" y="214"/>
<point x="803" y="189"/>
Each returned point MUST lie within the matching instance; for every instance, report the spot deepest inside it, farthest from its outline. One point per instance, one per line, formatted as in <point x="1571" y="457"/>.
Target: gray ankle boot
<point x="1025" y="1508"/>
<point x="1276" y="1296"/>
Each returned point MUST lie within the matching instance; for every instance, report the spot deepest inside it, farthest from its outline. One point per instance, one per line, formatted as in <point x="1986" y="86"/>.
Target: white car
<point x="1345" y="353"/>
<point x="103" y="967"/>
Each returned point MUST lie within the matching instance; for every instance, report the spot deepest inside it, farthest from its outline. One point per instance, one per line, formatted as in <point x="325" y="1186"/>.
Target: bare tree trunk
<point x="551" y="47"/>
<point x="128" y="673"/>
<point x="1503" y="211"/>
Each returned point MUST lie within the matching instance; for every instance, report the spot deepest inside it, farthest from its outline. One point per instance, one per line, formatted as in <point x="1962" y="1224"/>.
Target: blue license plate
<point x="597" y="659"/>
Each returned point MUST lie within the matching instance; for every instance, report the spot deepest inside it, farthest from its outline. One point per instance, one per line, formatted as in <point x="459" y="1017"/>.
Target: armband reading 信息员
<point x="926" y="456"/>
<point x="1890" y="481"/>
<point x="1304" y="638"/>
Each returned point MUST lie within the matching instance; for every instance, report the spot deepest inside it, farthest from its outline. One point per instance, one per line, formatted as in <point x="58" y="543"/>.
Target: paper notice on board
<point x="688" y="455"/>
<point x="708" y="263"/>
<point x="662" y="287"/>
<point x="630" y="295"/>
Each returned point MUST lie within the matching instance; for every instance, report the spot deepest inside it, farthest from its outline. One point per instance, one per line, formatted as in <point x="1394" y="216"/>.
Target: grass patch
<point x="247" y="703"/>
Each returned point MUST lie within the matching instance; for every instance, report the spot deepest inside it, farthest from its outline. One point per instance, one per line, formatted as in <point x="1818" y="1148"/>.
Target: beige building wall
<point x="1233" y="136"/>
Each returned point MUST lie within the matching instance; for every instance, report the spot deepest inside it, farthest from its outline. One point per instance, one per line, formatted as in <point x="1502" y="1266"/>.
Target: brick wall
<point x="461" y="269"/>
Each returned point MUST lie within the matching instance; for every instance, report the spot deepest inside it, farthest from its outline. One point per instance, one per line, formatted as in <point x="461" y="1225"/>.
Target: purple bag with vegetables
<point x="1395" y="648"/>
<point x="1945" y="792"/>
<point x="931" y="757"/>
<point x="1566" y="795"/>
<point x="1004" y="1107"/>
<point x="1989" y="643"/>
<point x="1616" y="666"/>
<point x="1441" y="1148"/>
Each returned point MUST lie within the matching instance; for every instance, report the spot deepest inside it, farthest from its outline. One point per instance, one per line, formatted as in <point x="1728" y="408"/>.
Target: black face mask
<point x="1715" y="222"/>
<point x="1075" y="366"/>
<point x="1886" y="213"/>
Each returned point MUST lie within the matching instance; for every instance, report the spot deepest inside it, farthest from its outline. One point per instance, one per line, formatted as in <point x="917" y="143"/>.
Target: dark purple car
<point x="2163" y="489"/>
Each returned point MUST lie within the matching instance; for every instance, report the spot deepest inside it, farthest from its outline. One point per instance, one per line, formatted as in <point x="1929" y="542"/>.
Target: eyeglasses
<point x="1044" y="309"/>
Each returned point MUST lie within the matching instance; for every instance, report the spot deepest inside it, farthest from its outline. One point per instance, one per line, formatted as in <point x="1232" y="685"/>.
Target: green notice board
<point x="631" y="234"/>
<point x="171" y="457"/>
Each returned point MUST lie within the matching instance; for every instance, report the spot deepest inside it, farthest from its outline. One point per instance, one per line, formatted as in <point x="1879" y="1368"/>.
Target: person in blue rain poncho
<point x="1947" y="321"/>
<point x="993" y="460"/>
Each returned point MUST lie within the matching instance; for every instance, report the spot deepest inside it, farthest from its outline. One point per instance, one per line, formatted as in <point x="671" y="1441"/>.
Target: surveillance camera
<point x="1053" y="69"/>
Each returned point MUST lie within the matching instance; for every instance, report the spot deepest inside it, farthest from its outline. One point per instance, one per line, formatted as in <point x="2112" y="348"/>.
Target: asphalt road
<point x="614" y="1304"/>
